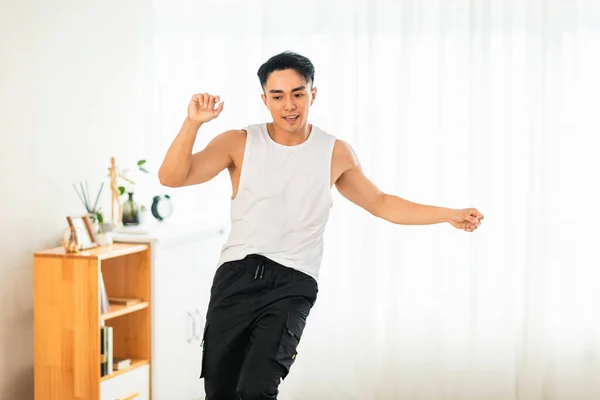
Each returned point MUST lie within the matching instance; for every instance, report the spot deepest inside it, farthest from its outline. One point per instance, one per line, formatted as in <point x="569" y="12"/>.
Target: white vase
<point x="144" y="217"/>
<point x="104" y="239"/>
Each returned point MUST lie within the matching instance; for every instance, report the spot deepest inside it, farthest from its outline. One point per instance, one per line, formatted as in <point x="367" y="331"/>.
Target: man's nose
<point x="289" y="104"/>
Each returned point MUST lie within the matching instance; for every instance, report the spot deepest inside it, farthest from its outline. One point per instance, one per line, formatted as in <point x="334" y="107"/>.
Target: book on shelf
<point x="108" y="362"/>
<point x="103" y="296"/>
<point x="106" y="350"/>
<point x="124" y="301"/>
<point x="121" y="363"/>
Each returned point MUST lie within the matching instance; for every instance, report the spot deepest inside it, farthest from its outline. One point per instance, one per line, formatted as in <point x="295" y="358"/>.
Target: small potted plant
<point x="94" y="212"/>
<point x="103" y="237"/>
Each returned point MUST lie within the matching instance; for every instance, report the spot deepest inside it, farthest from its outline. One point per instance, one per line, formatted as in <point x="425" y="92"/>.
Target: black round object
<point x="161" y="207"/>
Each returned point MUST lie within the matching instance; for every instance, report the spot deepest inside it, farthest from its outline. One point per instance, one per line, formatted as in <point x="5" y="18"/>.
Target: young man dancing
<point x="282" y="173"/>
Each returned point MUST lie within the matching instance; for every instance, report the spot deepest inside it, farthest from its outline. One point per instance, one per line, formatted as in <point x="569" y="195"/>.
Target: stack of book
<point x="108" y="362"/>
<point x="106" y="350"/>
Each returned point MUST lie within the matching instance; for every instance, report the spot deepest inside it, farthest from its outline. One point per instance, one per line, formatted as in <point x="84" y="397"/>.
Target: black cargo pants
<point x="255" y="319"/>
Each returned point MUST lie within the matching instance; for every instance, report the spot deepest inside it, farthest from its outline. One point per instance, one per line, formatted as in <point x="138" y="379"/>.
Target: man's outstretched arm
<point x="182" y="168"/>
<point x="357" y="188"/>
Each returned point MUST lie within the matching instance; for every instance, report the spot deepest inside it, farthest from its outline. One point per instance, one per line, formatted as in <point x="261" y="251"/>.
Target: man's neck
<point x="289" y="138"/>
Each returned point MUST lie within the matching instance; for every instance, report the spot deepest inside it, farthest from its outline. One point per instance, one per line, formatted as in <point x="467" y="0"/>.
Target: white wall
<point x="73" y="92"/>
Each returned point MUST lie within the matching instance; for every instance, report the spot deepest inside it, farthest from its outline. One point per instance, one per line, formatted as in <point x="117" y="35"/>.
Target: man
<point x="281" y="173"/>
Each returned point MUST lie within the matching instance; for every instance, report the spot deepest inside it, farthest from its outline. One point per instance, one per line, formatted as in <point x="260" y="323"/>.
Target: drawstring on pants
<point x="260" y="269"/>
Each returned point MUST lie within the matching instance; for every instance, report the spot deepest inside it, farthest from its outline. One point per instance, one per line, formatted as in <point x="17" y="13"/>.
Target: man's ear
<point x="264" y="99"/>
<point x="313" y="95"/>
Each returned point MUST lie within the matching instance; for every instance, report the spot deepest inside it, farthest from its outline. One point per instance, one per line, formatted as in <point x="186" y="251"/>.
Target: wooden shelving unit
<point x="67" y="318"/>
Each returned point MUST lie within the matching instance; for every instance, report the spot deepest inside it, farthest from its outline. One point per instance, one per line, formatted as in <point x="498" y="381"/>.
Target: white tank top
<point x="283" y="200"/>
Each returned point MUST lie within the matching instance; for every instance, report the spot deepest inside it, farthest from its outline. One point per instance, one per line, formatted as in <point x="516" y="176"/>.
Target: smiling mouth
<point x="291" y="117"/>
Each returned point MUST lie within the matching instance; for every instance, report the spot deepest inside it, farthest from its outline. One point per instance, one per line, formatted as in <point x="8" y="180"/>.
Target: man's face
<point x="288" y="97"/>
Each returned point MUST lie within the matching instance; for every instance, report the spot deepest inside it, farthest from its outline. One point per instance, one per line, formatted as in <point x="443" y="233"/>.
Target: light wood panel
<point x="66" y="330"/>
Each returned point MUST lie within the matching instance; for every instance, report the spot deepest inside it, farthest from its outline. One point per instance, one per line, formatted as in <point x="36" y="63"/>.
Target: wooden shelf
<point x="67" y="318"/>
<point x="100" y="252"/>
<point x="135" y="363"/>
<point x="118" y="310"/>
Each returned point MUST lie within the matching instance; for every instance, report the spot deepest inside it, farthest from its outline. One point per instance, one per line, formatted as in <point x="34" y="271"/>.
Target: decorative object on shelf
<point x="93" y="210"/>
<point x="162" y="207"/>
<point x="104" y="239"/>
<point x="145" y="214"/>
<point x="115" y="203"/>
<point x="131" y="212"/>
<point x="69" y="241"/>
<point x="84" y="233"/>
<point x="118" y="190"/>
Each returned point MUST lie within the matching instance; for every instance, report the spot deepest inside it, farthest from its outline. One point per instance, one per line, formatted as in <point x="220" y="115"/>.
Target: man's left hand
<point x="467" y="219"/>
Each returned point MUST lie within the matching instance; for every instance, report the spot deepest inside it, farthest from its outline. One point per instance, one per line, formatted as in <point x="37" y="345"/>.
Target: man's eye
<point x="299" y="94"/>
<point x="277" y="97"/>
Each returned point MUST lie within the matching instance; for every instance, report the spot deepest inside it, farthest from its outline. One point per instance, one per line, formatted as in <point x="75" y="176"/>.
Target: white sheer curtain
<point x="492" y="104"/>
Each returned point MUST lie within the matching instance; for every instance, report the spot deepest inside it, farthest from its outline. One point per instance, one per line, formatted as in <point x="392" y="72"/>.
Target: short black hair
<point x="287" y="60"/>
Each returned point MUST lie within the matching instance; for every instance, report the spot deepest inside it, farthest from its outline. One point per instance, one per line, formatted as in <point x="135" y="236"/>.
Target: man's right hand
<point x="202" y="108"/>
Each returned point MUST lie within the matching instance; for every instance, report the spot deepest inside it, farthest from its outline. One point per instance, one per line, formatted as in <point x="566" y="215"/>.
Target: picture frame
<point x="85" y="233"/>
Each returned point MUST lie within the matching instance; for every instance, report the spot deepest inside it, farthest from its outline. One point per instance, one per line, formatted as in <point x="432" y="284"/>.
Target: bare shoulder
<point x="229" y="141"/>
<point x="344" y="155"/>
<point x="343" y="159"/>
<point x="238" y="138"/>
<point x="234" y="136"/>
<point x="225" y="147"/>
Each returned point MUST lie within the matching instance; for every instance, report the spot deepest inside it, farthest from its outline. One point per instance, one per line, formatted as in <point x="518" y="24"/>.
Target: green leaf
<point x="141" y="162"/>
<point x="143" y="170"/>
<point x="121" y="190"/>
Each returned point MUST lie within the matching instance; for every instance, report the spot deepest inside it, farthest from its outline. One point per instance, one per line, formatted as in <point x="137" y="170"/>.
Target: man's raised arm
<point x="182" y="168"/>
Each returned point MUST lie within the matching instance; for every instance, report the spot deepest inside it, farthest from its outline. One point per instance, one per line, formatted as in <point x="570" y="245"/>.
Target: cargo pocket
<point x="288" y="346"/>
<point x="203" y="345"/>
